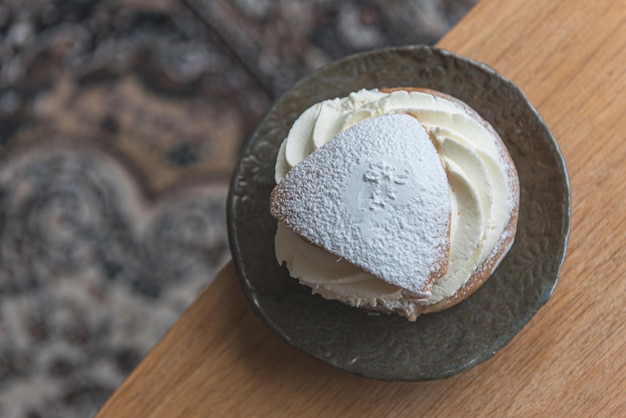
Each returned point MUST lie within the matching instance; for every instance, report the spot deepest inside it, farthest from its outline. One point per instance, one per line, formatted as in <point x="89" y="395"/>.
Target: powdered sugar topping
<point x="376" y="195"/>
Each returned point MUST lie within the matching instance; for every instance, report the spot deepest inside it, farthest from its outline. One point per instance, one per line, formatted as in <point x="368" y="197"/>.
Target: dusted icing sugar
<point x="376" y="195"/>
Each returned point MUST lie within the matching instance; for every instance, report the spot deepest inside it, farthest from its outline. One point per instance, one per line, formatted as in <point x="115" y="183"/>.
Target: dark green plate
<point x="389" y="347"/>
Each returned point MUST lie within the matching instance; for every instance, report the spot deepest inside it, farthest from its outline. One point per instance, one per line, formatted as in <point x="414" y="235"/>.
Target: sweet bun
<point x="450" y="207"/>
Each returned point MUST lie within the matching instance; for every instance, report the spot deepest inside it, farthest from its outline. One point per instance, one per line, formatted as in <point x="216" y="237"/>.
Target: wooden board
<point x="569" y="57"/>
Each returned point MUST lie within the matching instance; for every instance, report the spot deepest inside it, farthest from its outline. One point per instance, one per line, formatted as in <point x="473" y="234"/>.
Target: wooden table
<point x="569" y="57"/>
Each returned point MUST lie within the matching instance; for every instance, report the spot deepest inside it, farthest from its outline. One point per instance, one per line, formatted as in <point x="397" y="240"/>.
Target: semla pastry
<point x="398" y="201"/>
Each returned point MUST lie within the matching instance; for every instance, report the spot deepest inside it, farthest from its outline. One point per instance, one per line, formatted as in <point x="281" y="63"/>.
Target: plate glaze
<point x="389" y="347"/>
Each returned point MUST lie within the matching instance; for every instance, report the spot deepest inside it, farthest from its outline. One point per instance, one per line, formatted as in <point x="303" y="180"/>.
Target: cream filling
<point x="480" y="194"/>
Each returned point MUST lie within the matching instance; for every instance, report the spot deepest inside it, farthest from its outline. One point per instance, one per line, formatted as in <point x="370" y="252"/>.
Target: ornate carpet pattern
<point x="120" y="123"/>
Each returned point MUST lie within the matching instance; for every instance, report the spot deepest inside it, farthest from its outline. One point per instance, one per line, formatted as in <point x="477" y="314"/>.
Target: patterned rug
<point x="120" y="123"/>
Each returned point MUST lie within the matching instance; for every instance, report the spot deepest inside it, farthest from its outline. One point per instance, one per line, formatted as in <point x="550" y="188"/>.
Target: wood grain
<point x="570" y="360"/>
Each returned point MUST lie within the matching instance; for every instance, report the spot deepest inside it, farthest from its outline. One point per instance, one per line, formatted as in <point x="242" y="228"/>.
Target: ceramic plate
<point x="389" y="347"/>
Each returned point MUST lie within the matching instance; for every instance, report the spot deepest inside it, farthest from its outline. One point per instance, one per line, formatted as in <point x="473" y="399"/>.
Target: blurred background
<point x="120" y="124"/>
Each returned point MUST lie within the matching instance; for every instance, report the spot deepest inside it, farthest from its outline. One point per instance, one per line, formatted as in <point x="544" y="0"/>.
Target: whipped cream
<point x="483" y="194"/>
